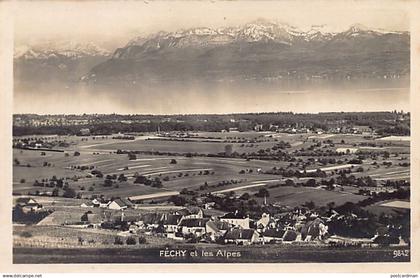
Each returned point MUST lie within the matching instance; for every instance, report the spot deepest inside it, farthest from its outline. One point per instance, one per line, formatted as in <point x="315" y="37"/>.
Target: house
<point x="93" y="219"/>
<point x="315" y="229"/>
<point x="272" y="235"/>
<point x="96" y="203"/>
<point x="151" y="220"/>
<point x="196" y="226"/>
<point x="191" y="212"/>
<point x="28" y="204"/>
<point x="99" y="203"/>
<point x="362" y="129"/>
<point x="241" y="236"/>
<point x="236" y="219"/>
<point x="263" y="221"/>
<point x="85" y="132"/>
<point x="170" y="222"/>
<point x="120" y="204"/>
<point x="22" y="201"/>
<point x="175" y="235"/>
<point x="87" y="204"/>
<point x="209" y="205"/>
<point x="258" y="127"/>
<point x="133" y="228"/>
<point x="289" y="236"/>
<point x="31" y="208"/>
<point x="216" y="228"/>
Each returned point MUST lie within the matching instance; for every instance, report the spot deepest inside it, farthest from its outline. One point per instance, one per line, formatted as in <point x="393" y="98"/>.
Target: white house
<point x="193" y="226"/>
<point x="170" y="222"/>
<point x="120" y="204"/>
<point x="236" y="219"/>
<point x="264" y="220"/>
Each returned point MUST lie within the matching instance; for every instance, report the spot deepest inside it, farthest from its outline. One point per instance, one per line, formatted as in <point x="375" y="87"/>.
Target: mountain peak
<point x="358" y="28"/>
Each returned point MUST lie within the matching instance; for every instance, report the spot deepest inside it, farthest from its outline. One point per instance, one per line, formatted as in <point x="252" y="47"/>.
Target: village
<point x="334" y="184"/>
<point x="201" y="225"/>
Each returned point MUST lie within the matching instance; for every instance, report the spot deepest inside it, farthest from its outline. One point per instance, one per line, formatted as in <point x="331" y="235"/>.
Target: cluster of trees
<point x="52" y="182"/>
<point x="132" y="156"/>
<point x="156" y="182"/>
<point x="262" y="193"/>
<point x="289" y="173"/>
<point x="402" y="194"/>
<point x="82" y="167"/>
<point x="351" y="180"/>
<point x="363" y="224"/>
<point x="18" y="216"/>
<point x="244" y="205"/>
<point x="178" y="200"/>
<point x="97" y="173"/>
<point x="206" y="186"/>
<point x="318" y="152"/>
<point x="399" y="129"/>
<point x="110" y="179"/>
<point x="123" y="137"/>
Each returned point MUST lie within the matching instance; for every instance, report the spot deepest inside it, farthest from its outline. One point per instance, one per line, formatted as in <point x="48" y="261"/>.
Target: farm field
<point x="397" y="204"/>
<point x="190" y="172"/>
<point x="95" y="193"/>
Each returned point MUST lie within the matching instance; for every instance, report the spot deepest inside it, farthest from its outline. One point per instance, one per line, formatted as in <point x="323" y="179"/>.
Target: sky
<point x="113" y="23"/>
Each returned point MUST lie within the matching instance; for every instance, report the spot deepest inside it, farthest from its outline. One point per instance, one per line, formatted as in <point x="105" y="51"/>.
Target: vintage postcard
<point x="241" y="134"/>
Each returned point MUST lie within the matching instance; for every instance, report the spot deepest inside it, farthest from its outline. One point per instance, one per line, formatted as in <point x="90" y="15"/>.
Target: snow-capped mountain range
<point x="259" y="50"/>
<point x="55" y="62"/>
<point x="258" y="31"/>
<point x="68" y="49"/>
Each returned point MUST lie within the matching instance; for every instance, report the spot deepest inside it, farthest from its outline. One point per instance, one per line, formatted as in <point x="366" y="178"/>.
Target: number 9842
<point x="401" y="253"/>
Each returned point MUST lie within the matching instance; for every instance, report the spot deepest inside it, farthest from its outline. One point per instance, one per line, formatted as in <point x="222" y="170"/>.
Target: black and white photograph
<point x="211" y="132"/>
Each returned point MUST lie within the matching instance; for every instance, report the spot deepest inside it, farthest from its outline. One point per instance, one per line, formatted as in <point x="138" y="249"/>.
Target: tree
<point x="311" y="183"/>
<point x="310" y="205"/>
<point x="84" y="218"/>
<point x="118" y="241"/>
<point x="55" y="192"/>
<point x="290" y="182"/>
<point x="177" y="200"/>
<point x="17" y="162"/>
<point x="157" y="183"/>
<point x="122" y="178"/>
<point x="76" y="153"/>
<point x="140" y="179"/>
<point x="69" y="193"/>
<point x="263" y="193"/>
<point x="245" y="196"/>
<point x="107" y="182"/>
<point x="132" y="156"/>
<point x="131" y="241"/>
<point x="228" y="150"/>
<point x="173" y="161"/>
